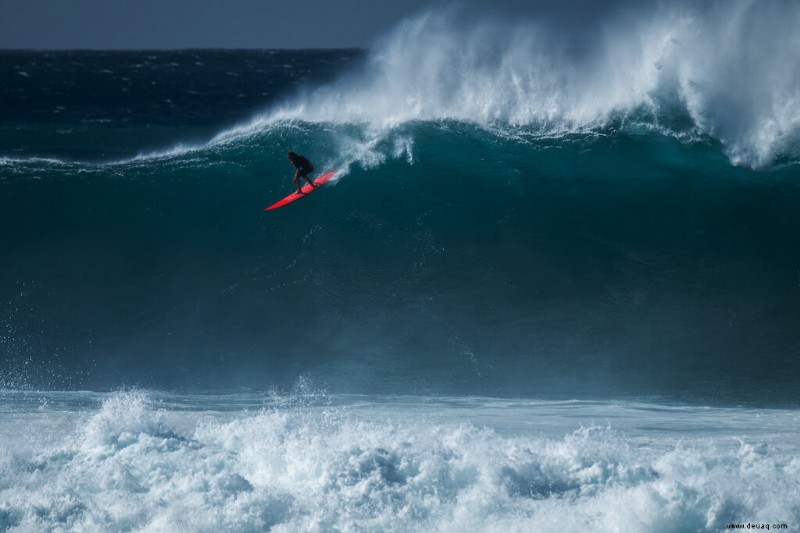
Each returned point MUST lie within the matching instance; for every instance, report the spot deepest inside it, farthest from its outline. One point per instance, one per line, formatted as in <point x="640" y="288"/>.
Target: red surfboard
<point x="307" y="189"/>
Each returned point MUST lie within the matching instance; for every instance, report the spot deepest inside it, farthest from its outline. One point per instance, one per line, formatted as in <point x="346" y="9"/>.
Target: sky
<point x="169" y="24"/>
<point x="160" y="24"/>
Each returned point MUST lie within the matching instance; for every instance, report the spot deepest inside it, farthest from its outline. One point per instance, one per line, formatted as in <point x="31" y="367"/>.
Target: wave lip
<point x="731" y="68"/>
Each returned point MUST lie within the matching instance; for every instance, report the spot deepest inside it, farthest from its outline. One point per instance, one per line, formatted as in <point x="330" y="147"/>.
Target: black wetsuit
<point x="303" y="166"/>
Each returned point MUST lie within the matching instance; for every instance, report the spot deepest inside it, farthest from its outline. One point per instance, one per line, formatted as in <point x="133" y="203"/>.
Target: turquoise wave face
<point x="604" y="214"/>
<point x="444" y="258"/>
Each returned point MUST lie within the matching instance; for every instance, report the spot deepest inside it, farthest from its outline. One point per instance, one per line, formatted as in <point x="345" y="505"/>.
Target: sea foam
<point x="728" y="70"/>
<point x="135" y="462"/>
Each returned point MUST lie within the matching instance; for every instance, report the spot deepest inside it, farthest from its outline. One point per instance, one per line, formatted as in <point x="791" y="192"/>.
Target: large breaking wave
<point x="728" y="70"/>
<point x="532" y="207"/>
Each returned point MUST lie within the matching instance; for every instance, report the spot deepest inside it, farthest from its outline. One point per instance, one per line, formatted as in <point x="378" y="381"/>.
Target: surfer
<point x="304" y="168"/>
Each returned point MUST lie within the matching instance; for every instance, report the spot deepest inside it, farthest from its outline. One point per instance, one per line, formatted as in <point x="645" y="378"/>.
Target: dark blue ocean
<point x="554" y="284"/>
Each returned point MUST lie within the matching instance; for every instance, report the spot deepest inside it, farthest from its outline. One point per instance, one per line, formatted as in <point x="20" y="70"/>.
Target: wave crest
<point x="729" y="70"/>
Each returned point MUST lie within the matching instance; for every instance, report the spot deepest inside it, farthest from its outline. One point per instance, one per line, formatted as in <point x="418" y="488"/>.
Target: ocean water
<point x="554" y="284"/>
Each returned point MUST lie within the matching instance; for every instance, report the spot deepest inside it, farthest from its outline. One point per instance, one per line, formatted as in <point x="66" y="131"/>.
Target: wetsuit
<point x="304" y="168"/>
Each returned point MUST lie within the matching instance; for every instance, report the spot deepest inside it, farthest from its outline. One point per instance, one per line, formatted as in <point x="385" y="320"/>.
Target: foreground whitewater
<point x="136" y="461"/>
